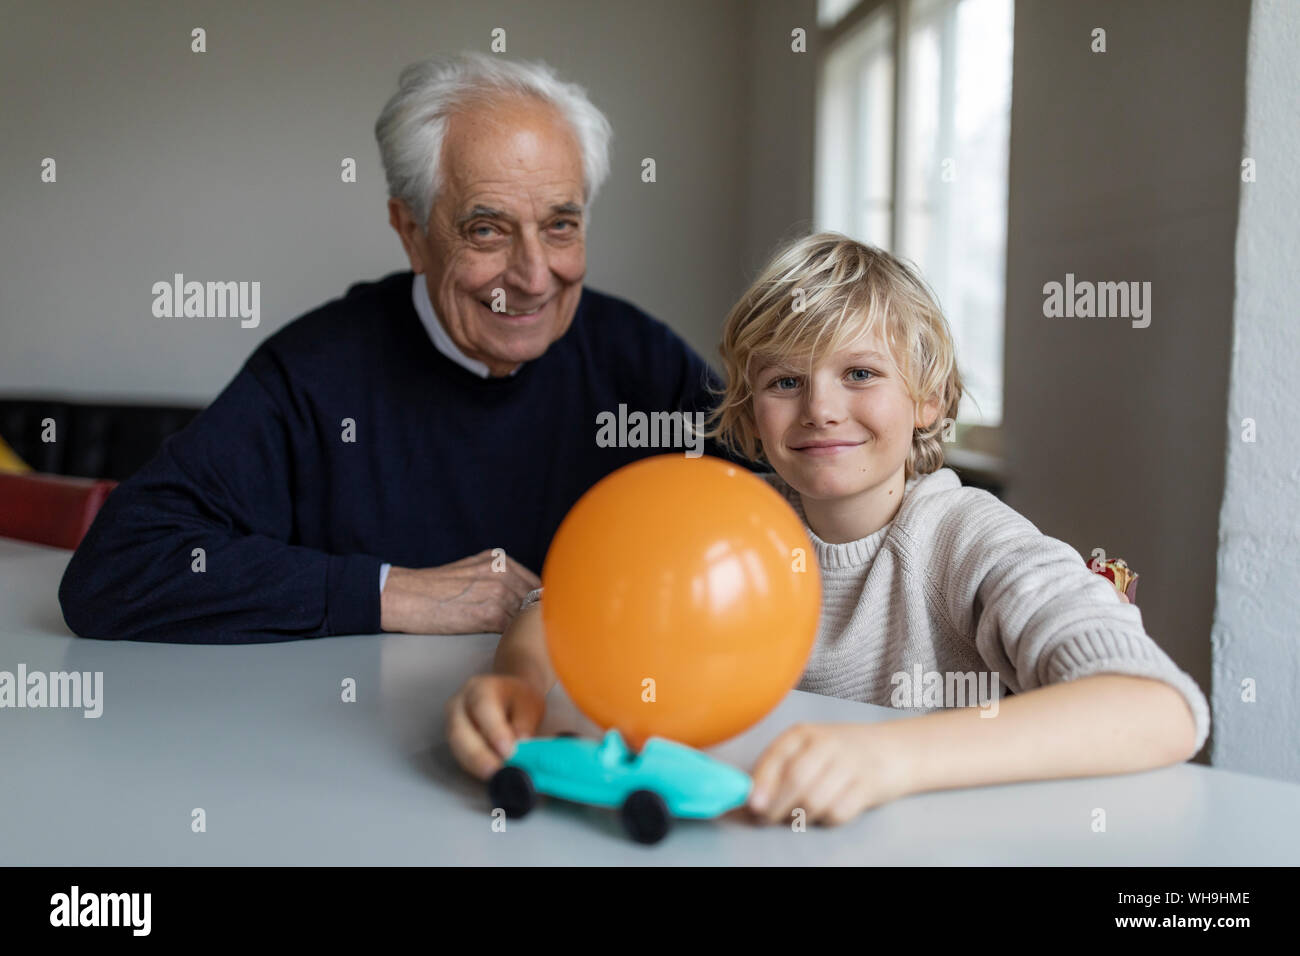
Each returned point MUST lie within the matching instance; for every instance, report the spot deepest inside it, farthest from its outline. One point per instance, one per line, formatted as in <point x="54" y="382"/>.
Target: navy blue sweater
<point x="294" y="522"/>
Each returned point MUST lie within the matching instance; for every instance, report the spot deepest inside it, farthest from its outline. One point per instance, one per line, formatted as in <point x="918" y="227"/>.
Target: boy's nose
<point x="821" y="408"/>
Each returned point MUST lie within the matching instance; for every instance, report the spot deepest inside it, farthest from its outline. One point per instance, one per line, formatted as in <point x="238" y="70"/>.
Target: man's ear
<point x="409" y="231"/>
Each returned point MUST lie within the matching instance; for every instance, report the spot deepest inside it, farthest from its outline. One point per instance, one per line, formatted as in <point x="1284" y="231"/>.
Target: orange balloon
<point x="688" y="572"/>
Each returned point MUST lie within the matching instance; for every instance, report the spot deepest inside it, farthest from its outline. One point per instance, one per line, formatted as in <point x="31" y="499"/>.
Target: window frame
<point x="980" y="447"/>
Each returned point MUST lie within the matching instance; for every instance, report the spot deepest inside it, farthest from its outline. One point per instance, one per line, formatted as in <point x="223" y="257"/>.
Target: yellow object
<point x="11" y="463"/>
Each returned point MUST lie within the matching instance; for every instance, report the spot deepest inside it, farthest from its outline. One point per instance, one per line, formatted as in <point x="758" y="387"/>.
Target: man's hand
<point x="487" y="716"/>
<point x="465" y="597"/>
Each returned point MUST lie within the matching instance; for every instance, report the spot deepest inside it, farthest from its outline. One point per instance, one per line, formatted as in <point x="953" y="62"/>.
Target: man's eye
<point x="482" y="231"/>
<point x="565" y="222"/>
<point x="861" y="374"/>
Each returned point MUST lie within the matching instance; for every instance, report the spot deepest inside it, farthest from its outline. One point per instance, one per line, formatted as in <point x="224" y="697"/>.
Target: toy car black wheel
<point x="512" y="790"/>
<point x="646" y="817"/>
<point x="566" y="733"/>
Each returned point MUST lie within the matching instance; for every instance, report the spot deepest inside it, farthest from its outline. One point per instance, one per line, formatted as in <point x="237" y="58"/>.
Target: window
<point x="913" y="130"/>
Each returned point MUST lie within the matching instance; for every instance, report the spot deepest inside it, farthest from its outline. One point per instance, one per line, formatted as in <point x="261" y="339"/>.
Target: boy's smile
<point x="820" y="447"/>
<point x="840" y="435"/>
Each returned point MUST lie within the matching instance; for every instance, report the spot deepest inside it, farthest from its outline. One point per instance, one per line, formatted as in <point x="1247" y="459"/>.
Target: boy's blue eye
<point x="863" y="377"/>
<point x="780" y="383"/>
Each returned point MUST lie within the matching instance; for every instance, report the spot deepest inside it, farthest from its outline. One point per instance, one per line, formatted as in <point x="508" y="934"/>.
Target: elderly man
<point x="400" y="458"/>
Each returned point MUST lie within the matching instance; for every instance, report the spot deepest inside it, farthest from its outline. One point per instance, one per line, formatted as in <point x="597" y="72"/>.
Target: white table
<point x="287" y="773"/>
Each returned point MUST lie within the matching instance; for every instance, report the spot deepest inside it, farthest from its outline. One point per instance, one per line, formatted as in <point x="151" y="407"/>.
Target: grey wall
<point x="781" y="129"/>
<point x="1257" y="617"/>
<point x="1125" y="166"/>
<point x="225" y="165"/>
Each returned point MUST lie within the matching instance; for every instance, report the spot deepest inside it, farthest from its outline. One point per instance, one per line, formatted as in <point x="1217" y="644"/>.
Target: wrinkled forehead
<point x="513" y="144"/>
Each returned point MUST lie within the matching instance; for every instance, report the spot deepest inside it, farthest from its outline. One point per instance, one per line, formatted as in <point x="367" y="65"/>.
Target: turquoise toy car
<point x="650" y="788"/>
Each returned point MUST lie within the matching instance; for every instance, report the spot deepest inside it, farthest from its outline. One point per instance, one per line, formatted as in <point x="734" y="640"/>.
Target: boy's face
<point x="843" y="431"/>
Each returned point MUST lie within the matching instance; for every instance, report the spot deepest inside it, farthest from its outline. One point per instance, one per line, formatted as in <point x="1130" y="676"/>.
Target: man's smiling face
<point x="509" y="216"/>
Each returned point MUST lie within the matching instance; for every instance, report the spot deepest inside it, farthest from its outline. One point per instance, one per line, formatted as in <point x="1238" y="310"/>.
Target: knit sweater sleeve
<point x="222" y="488"/>
<point x="1036" y="613"/>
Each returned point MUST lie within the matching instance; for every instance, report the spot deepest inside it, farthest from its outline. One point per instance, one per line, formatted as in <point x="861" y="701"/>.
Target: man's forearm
<point x="1105" y="724"/>
<point x="400" y="601"/>
<point x="133" y="579"/>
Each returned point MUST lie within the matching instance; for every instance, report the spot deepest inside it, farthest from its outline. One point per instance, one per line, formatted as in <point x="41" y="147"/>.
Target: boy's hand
<point x="832" y="771"/>
<point x="485" y="718"/>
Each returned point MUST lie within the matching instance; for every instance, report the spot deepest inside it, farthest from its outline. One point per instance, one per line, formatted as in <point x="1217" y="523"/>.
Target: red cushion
<point x="50" y="509"/>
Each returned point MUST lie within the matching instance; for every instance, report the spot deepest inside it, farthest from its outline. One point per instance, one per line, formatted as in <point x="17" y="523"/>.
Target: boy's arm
<point x="521" y="651"/>
<point x="490" y="713"/>
<point x="1105" y="724"/>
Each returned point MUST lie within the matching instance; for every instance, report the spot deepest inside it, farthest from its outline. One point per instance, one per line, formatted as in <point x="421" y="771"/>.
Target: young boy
<point x="840" y="373"/>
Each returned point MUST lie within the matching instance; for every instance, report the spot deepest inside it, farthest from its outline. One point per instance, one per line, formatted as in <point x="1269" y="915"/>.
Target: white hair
<point x="411" y="128"/>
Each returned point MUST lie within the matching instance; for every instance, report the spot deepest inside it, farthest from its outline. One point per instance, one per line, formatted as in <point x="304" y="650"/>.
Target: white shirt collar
<point x="441" y="340"/>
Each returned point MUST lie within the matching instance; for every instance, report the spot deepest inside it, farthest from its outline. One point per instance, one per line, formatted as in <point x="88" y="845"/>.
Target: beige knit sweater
<point x="959" y="582"/>
<point x="961" y="591"/>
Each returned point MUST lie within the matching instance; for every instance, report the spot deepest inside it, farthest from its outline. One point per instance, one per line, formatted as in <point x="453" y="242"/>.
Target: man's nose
<point x="529" y="269"/>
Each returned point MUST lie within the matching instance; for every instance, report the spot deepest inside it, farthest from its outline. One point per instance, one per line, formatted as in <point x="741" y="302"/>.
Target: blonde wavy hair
<point x="847" y="290"/>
